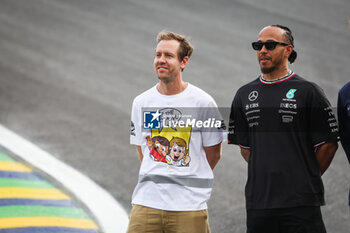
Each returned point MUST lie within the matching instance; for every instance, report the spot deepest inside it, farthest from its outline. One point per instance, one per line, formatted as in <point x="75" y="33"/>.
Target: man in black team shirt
<point x="288" y="134"/>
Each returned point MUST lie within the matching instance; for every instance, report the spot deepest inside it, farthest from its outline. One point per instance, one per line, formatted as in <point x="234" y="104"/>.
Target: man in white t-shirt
<point x="177" y="130"/>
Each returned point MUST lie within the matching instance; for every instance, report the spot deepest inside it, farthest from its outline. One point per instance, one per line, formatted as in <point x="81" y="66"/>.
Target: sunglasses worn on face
<point x="269" y="45"/>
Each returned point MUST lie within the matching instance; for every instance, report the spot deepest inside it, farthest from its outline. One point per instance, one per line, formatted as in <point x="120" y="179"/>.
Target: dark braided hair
<point x="289" y="39"/>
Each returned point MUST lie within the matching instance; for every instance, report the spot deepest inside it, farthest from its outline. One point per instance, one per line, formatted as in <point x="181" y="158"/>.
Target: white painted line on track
<point x="109" y="213"/>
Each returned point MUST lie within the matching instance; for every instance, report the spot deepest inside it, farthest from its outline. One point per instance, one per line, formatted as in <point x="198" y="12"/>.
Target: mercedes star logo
<point x="253" y="95"/>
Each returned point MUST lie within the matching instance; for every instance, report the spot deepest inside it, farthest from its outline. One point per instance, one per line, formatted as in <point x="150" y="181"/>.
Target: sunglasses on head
<point x="269" y="45"/>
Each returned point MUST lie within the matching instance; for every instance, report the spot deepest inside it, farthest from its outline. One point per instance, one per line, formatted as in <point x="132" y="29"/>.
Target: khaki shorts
<point x="144" y="219"/>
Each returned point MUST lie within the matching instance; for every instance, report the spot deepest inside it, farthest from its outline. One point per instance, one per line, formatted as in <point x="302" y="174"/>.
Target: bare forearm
<point x="139" y="152"/>
<point x="213" y="154"/>
<point x="245" y="153"/>
<point x="213" y="161"/>
<point x="325" y="154"/>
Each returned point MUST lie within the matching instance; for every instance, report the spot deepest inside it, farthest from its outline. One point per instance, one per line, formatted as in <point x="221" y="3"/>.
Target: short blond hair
<point x="185" y="48"/>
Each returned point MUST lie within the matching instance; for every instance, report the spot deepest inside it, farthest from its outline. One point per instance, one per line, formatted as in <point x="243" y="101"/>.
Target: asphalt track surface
<point x="71" y="68"/>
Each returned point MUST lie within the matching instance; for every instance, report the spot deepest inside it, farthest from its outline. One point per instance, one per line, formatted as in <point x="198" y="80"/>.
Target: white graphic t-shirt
<point x="172" y="131"/>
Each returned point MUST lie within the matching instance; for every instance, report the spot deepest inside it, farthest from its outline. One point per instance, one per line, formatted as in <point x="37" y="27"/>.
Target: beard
<point x="267" y="70"/>
<point x="276" y="63"/>
<point x="169" y="77"/>
<point x="164" y="79"/>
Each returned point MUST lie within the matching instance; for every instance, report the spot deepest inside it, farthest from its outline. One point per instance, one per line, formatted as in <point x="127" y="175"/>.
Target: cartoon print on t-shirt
<point x="159" y="147"/>
<point x="170" y="145"/>
<point x="178" y="153"/>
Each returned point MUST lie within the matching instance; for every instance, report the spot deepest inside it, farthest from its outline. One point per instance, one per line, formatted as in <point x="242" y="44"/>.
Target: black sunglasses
<point x="269" y="45"/>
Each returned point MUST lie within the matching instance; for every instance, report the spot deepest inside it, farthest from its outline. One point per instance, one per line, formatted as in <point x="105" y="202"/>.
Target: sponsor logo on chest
<point x="288" y="107"/>
<point x="252" y="109"/>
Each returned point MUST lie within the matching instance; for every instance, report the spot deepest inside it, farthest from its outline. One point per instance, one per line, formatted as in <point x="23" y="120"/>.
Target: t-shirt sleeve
<point x="344" y="123"/>
<point x="323" y="124"/>
<point x="214" y="134"/>
<point x="238" y="130"/>
<point x="136" y="125"/>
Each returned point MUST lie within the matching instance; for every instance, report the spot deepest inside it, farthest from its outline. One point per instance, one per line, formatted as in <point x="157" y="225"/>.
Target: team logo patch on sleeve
<point x="132" y="129"/>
